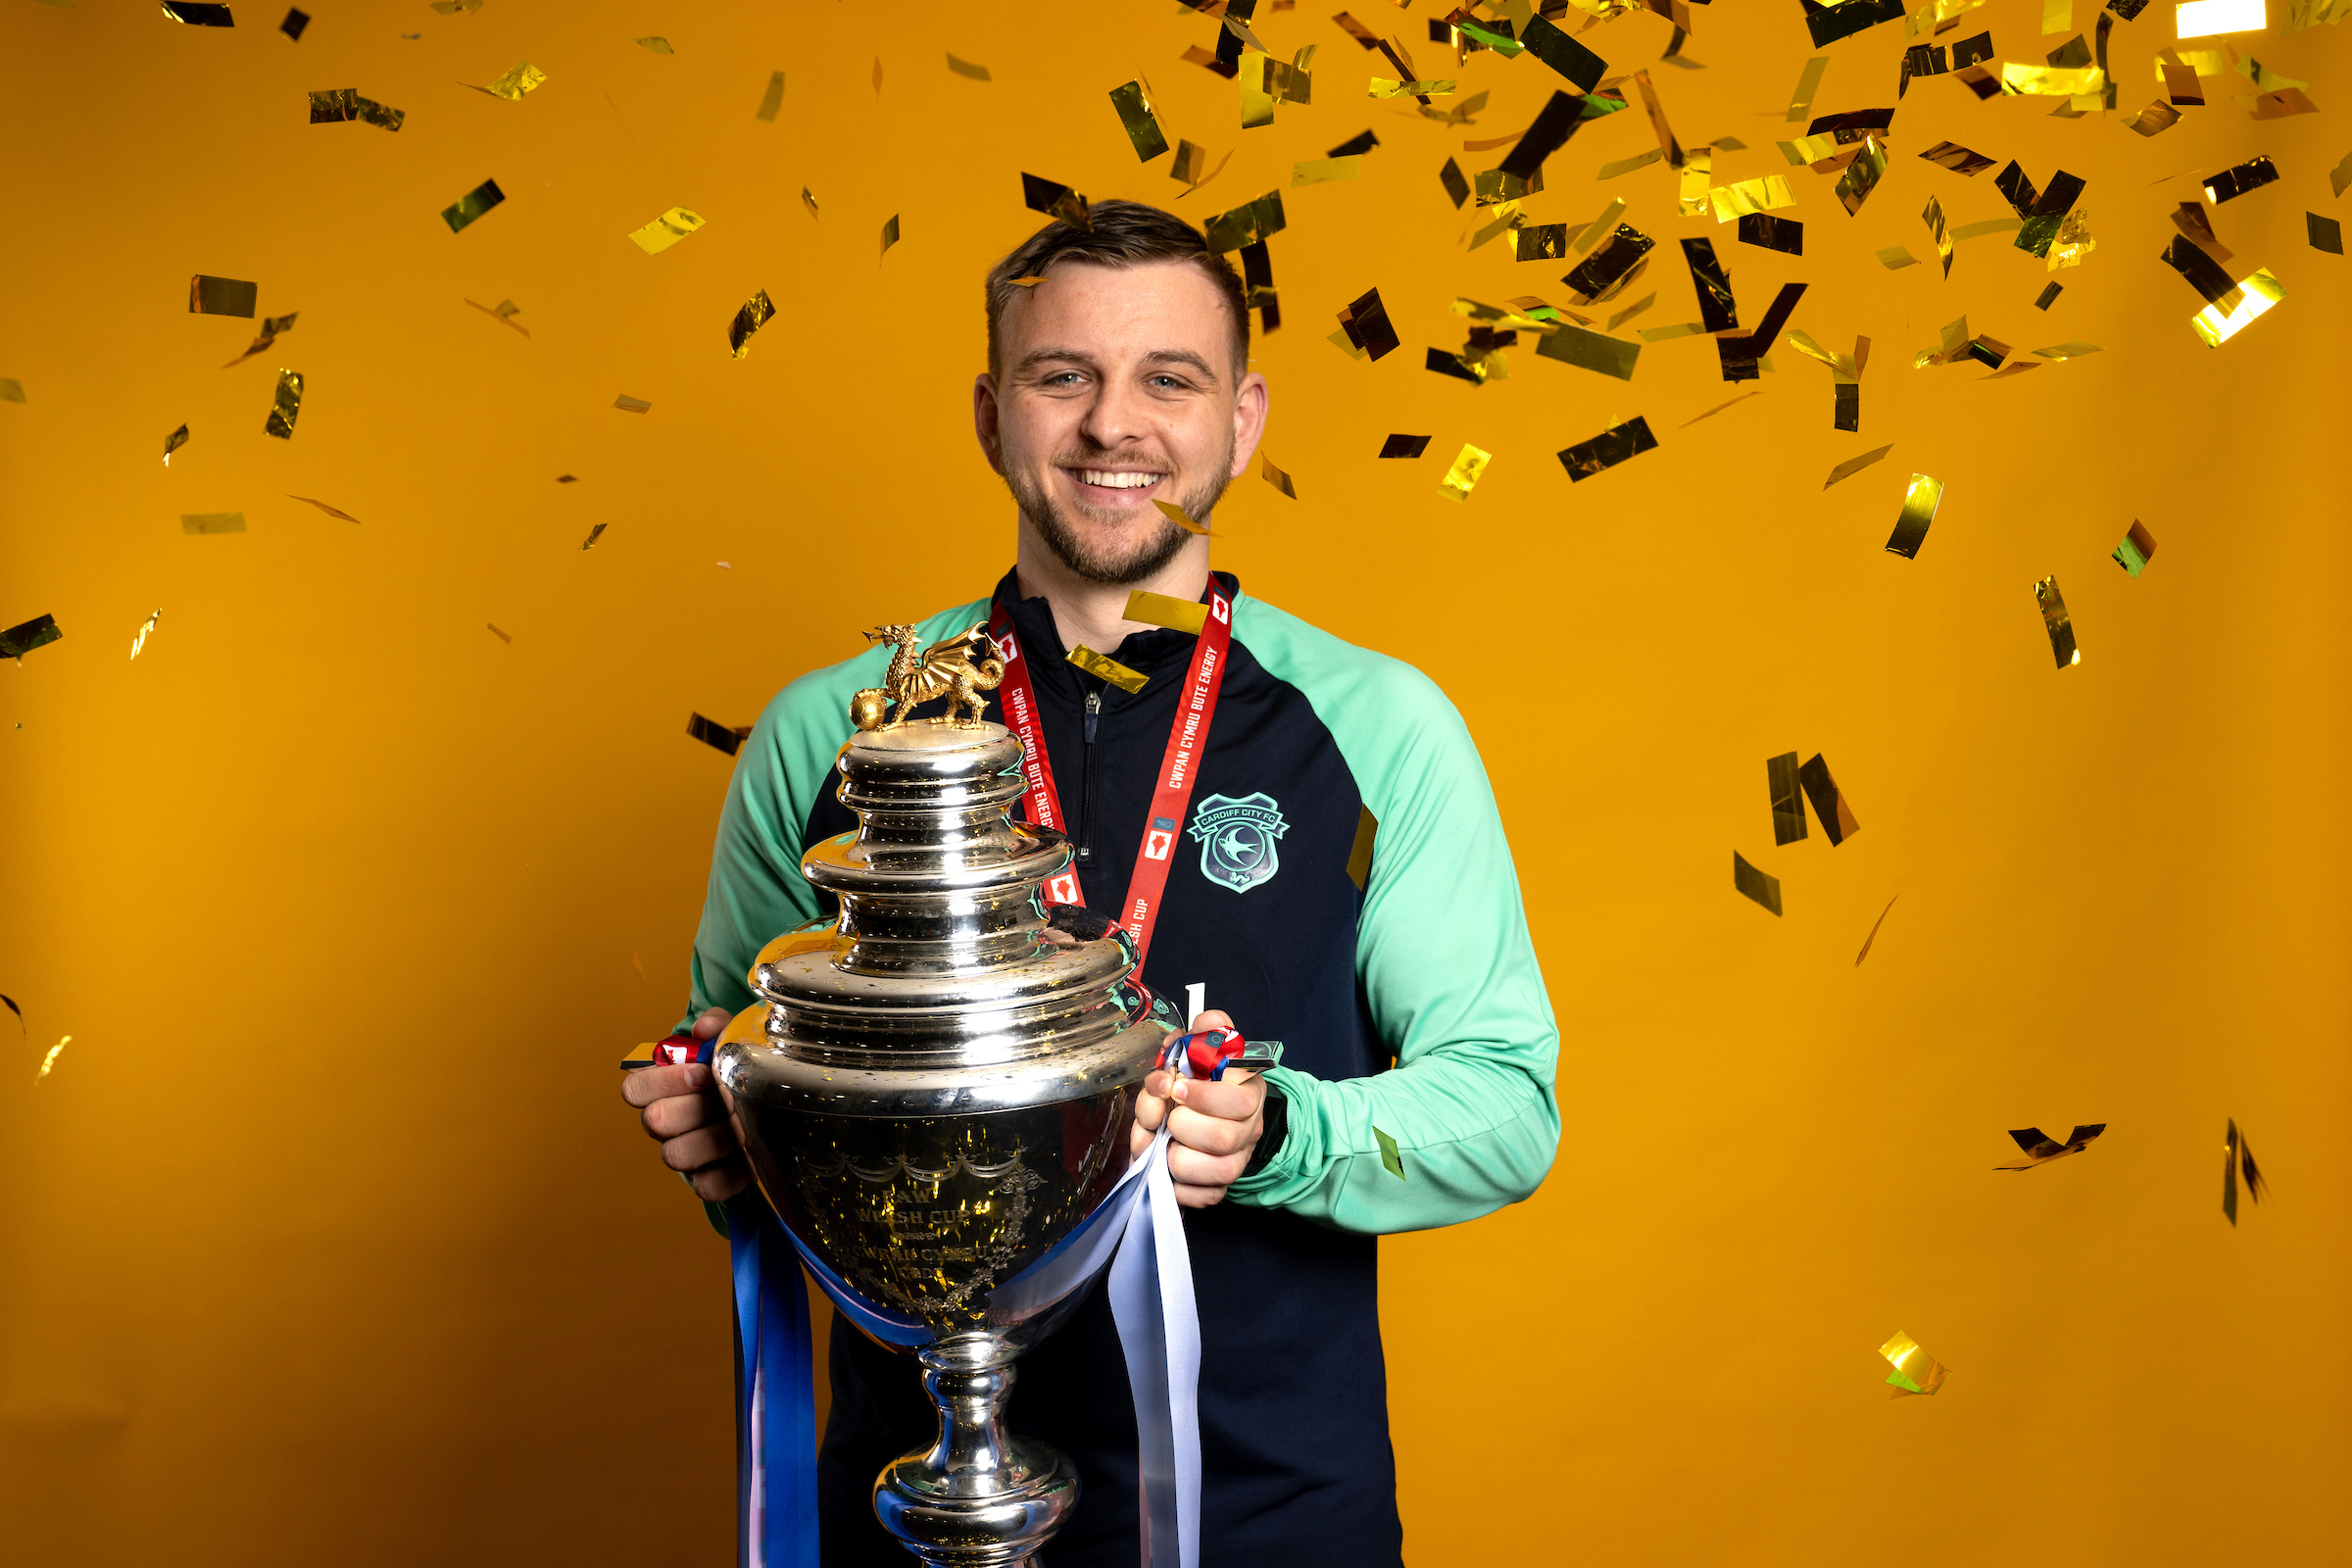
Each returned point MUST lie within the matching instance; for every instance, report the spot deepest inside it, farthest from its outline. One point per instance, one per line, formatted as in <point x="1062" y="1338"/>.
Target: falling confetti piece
<point x="519" y="79"/>
<point x="729" y="741"/>
<point x="2048" y="296"/>
<point x="1607" y="450"/>
<point x="1853" y="466"/>
<point x="2137" y="546"/>
<point x="755" y="311"/>
<point x="271" y="328"/>
<point x="1391" y="1160"/>
<point x="9" y="1003"/>
<point x="1920" y="501"/>
<point x="1104" y="667"/>
<point x="11" y="390"/>
<point x="629" y="405"/>
<point x="198" y="16"/>
<point x="890" y="234"/>
<point x="345" y="104"/>
<point x="2057" y="623"/>
<point x="594" y="534"/>
<point x="495" y="633"/>
<point x="666" y="230"/>
<point x="1469" y="465"/>
<point x="1756" y="886"/>
<point x="2236" y="1152"/>
<point x="24" y="637"/>
<point x="295" y="21"/>
<point x="1958" y="159"/>
<point x="1915" y="1370"/>
<point x="1895" y="259"/>
<point x="567" y="478"/>
<point x="773" y="100"/>
<point x="1133" y="103"/>
<point x="324" y="507"/>
<point x="2257" y="294"/>
<point x="2233" y="182"/>
<point x="2040" y="1147"/>
<point x="221" y="296"/>
<point x="504" y="311"/>
<point x="469" y="207"/>
<point x="877" y="76"/>
<point x="2325" y="233"/>
<point x="1159" y="609"/>
<point x="1719" y="407"/>
<point x="809" y="201"/>
<point x="285" y="407"/>
<point x="212" y="522"/>
<point x="1366" y="320"/>
<point x="1874" y="932"/>
<point x="50" y="1060"/>
<point x="146" y="627"/>
<point x="1830" y="805"/>
<point x="660" y="46"/>
<point x="1178" y="516"/>
<point x="1788" y="805"/>
<point x="964" y="68"/>
<point x="1404" y="446"/>
<point x="1275" y="477"/>
<point x="1808" y="86"/>
<point x="173" y="442"/>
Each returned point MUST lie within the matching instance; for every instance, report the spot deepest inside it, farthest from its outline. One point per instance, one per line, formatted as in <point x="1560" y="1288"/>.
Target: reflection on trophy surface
<point x="934" y="1090"/>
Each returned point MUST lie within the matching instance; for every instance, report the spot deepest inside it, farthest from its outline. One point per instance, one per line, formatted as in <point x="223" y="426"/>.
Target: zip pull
<point x="1094" y="710"/>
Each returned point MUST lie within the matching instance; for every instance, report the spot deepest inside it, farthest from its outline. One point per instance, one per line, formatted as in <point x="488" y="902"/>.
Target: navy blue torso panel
<point x="1295" y="1463"/>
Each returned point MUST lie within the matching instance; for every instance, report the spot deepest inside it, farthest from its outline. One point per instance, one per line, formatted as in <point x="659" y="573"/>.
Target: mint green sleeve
<point x="1443" y="956"/>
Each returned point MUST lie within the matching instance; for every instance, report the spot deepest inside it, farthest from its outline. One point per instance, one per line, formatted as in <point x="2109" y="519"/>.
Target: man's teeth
<point x="1118" y="481"/>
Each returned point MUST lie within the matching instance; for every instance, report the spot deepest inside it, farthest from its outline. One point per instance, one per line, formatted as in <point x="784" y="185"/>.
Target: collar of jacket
<point x="1160" y="654"/>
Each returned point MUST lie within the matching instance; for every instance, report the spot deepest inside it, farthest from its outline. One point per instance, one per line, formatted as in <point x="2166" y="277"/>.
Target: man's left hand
<point x="1213" y="1125"/>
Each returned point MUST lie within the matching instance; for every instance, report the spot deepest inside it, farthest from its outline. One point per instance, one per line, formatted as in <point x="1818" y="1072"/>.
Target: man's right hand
<point x="682" y="1110"/>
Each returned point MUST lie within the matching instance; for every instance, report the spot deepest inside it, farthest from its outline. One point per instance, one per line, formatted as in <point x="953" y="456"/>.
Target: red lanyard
<point x="1179" y="766"/>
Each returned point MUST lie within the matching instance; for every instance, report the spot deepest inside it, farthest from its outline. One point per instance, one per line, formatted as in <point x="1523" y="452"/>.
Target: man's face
<point x="1118" y="389"/>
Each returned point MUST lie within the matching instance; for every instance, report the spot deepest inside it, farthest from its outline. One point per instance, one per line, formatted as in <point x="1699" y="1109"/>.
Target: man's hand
<point x="1213" y="1125"/>
<point x="683" y="1111"/>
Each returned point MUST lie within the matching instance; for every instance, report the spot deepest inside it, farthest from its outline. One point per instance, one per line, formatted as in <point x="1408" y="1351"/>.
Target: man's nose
<point x="1116" y="415"/>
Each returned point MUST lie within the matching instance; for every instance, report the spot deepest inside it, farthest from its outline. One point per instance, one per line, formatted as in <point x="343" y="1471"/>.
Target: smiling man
<point x="1337" y="879"/>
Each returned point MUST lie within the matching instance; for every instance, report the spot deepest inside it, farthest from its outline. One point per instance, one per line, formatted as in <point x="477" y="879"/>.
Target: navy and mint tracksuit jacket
<point x="1412" y="1004"/>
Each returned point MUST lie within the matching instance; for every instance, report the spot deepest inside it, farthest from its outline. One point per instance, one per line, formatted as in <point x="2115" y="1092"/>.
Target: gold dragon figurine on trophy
<point x="945" y="668"/>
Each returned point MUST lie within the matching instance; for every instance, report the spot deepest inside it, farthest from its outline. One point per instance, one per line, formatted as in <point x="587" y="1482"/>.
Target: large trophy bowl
<point x="934" y="1091"/>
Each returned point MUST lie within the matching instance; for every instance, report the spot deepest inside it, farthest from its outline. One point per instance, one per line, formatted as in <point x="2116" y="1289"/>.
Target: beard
<point x="1121" y="561"/>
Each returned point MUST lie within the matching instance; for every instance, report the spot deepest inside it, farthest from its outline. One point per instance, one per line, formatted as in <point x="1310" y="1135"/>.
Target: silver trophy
<point x="937" y="1087"/>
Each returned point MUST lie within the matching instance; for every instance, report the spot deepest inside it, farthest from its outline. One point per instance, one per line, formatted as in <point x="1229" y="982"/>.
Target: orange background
<point x="329" y="1233"/>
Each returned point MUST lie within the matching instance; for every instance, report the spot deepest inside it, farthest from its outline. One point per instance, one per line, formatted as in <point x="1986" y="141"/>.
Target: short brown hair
<point x="1124" y="234"/>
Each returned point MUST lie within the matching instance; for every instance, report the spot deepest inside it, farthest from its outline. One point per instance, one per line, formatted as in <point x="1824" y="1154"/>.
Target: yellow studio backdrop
<point x="328" y="1232"/>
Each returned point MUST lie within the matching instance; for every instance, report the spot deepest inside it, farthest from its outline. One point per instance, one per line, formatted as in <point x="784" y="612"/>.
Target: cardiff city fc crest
<point x="1238" y="839"/>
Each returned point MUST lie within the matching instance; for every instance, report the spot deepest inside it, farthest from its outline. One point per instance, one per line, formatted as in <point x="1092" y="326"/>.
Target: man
<point x="1339" y="882"/>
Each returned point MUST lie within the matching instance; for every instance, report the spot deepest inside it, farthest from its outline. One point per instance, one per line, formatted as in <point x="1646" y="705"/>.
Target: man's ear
<point x="985" y="416"/>
<point x="1249" y="421"/>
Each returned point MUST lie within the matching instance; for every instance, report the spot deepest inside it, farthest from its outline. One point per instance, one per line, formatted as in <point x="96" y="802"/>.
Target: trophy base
<point x="977" y="1497"/>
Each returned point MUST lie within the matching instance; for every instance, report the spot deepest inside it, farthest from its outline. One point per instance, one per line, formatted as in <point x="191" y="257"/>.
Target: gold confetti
<point x="773" y="100"/>
<point x="877" y="76"/>
<point x="594" y="534"/>
<point x="1399" y="445"/>
<point x="1626" y="166"/>
<point x="1874" y="932"/>
<point x="146" y="627"/>
<point x="1659" y="334"/>
<point x="1133" y="102"/>
<point x="1830" y="804"/>
<point x="1719" y="407"/>
<point x="1697" y="172"/>
<point x="1591" y="233"/>
<point x="1060" y="200"/>
<point x="1749" y="196"/>
<point x="1323" y="171"/>
<point x="1383" y="88"/>
<point x="1915" y="1370"/>
<point x="1853" y="466"/>
<point x="271" y="328"/>
<point x="519" y="79"/>
<point x="629" y="405"/>
<point x="2230" y="184"/>
<point x="173" y="442"/>
<point x="2325" y="233"/>
<point x="295" y="21"/>
<point x="2137" y="546"/>
<point x="1620" y="317"/>
<point x="1609" y="449"/>
<point x="1591" y="351"/>
<point x="1788" y="807"/>
<point x="212" y="522"/>
<point x="192" y="14"/>
<point x="2217" y="326"/>
<point x="1808" y="86"/>
<point x="345" y="103"/>
<point x="469" y="207"/>
<point x="50" y="1060"/>
<point x="2236" y="1152"/>
<point x="1958" y="159"/>
<point x="1469" y="465"/>
<point x="1161" y="609"/>
<point x="221" y="296"/>
<point x="809" y="201"/>
<point x="286" y="407"/>
<point x="1920" y="503"/>
<point x="1027" y="283"/>
<point x="890" y="234"/>
<point x="1761" y="887"/>
<point x="495" y="633"/>
<point x="1540" y="242"/>
<point x="964" y="68"/>
<point x="1861" y="176"/>
<point x="1178" y="516"/>
<point x="2158" y="116"/>
<point x="450" y="7"/>
<point x="24" y="637"/>
<point x="324" y="507"/>
<point x="504" y="311"/>
<point x="711" y="733"/>
<point x="2055" y="621"/>
<point x="1391" y="1160"/>
<point x="755" y="310"/>
<point x="2067" y="351"/>
<point x="1933" y="216"/>
<point x="1896" y="259"/>
<point x="1104" y="667"/>
<point x="666" y="230"/>
<point x="11" y="390"/>
<point x="660" y="46"/>
<point x="1275" y="477"/>
<point x="1605" y="274"/>
<point x="1365" y="322"/>
<point x="1987" y="225"/>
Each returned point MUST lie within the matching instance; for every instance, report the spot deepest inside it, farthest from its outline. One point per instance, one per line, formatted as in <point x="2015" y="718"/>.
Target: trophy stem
<point x="978" y="1498"/>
